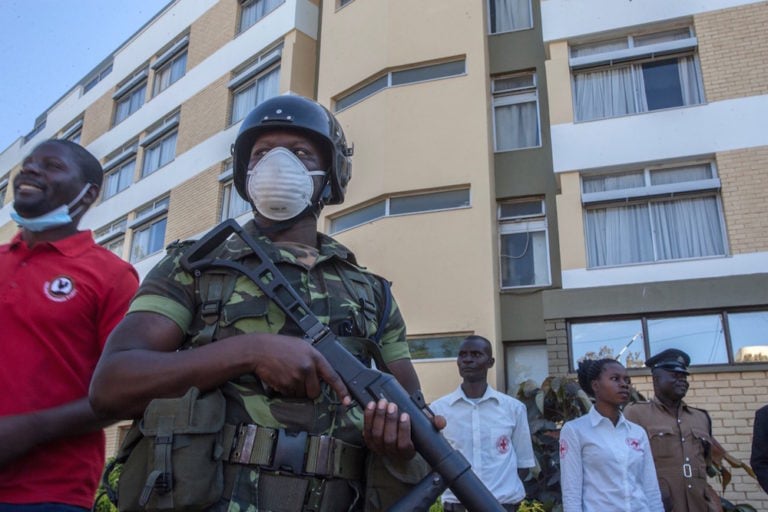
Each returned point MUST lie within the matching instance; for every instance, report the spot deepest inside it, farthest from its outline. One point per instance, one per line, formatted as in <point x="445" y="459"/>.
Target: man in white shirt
<point x="488" y="427"/>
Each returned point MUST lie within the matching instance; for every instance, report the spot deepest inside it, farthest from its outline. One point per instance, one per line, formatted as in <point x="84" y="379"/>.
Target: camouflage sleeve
<point x="168" y="289"/>
<point x="394" y="345"/>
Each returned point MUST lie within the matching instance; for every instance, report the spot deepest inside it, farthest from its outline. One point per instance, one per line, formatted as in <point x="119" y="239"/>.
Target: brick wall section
<point x="97" y="119"/>
<point x="730" y="398"/>
<point x="744" y="188"/>
<point x="203" y="115"/>
<point x="732" y="49"/>
<point x="211" y="31"/>
<point x="194" y="206"/>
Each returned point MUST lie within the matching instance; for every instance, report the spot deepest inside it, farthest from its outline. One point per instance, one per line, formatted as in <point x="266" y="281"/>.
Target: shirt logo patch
<point x="60" y="289"/>
<point x="634" y="444"/>
<point x="563" y="448"/>
<point x="502" y="444"/>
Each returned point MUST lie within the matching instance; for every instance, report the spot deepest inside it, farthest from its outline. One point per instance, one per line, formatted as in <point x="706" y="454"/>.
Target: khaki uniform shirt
<point x="680" y="442"/>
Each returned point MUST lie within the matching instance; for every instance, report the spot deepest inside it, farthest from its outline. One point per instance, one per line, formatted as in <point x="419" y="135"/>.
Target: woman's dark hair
<point x="589" y="370"/>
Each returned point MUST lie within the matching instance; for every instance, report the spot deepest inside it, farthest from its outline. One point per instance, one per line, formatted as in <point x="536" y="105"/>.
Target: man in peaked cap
<point x="680" y="436"/>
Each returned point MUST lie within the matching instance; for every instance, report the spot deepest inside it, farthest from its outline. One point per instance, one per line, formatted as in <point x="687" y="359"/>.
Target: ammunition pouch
<point x="173" y="457"/>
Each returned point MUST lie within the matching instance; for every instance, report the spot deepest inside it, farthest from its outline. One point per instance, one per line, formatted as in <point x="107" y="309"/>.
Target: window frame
<point x="246" y="4"/>
<point x="228" y="191"/>
<point x="492" y="17"/>
<point x="451" y="337"/>
<point x="136" y="86"/>
<point x="524" y="223"/>
<point x="165" y="63"/>
<point x="387" y="208"/>
<point x="145" y="218"/>
<point x="517" y="96"/>
<point x="643" y="336"/>
<point x="632" y="56"/>
<point x="649" y="194"/>
<point x="387" y="79"/>
<point x="4" y="188"/>
<point x="156" y="137"/>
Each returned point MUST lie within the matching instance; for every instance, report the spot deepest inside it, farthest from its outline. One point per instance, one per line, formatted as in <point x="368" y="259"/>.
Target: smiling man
<point x="60" y="296"/>
<point x="680" y="436"/>
<point x="488" y="427"/>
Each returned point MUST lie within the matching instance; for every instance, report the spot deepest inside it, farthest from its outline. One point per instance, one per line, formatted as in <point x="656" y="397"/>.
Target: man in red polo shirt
<point x="60" y="296"/>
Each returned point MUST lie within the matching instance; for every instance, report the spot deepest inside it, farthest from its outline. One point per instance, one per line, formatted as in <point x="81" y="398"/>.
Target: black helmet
<point x="303" y="114"/>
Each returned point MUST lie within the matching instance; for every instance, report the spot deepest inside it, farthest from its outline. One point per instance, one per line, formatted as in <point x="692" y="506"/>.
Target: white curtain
<point x="620" y="235"/>
<point x="689" y="81"/>
<point x="263" y="88"/>
<point x="687" y="228"/>
<point x="511" y="15"/>
<point x="604" y="93"/>
<point x="517" y="126"/>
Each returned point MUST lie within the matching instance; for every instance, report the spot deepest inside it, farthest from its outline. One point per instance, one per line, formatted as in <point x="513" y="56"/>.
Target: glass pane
<point x="508" y="15"/>
<point x="622" y="340"/>
<point x="613" y="182"/>
<point x="599" y="47"/>
<point x="700" y="336"/>
<point x="517" y="126"/>
<point x="749" y="336"/>
<point x="662" y="37"/>
<point x="521" y="209"/>
<point x="524" y="260"/>
<point x="514" y="83"/>
<point x="687" y="228"/>
<point x="681" y="174"/>
<point x="362" y="93"/>
<point x="429" y="202"/>
<point x="619" y="235"/>
<point x="436" y="347"/>
<point x="428" y="72"/>
<point x="662" y="84"/>
<point x="525" y="362"/>
<point x="357" y="217"/>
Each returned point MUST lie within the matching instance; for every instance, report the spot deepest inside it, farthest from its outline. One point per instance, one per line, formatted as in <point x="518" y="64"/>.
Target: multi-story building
<point x="562" y="183"/>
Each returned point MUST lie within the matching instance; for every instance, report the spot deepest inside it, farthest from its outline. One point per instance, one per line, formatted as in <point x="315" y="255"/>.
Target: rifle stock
<point x="450" y="468"/>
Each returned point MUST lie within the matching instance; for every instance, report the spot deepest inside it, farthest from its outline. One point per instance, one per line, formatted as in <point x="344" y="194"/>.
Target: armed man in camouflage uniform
<point x="290" y="158"/>
<point x="680" y="436"/>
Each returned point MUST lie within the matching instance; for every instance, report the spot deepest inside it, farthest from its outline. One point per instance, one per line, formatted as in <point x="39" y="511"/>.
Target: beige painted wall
<point x="559" y="84"/>
<point x="570" y="222"/>
<point x="299" y="64"/>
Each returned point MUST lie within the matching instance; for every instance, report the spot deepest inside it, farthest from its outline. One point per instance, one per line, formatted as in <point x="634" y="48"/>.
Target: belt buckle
<point x="325" y="456"/>
<point x="289" y="452"/>
<point x="687" y="471"/>
<point x="242" y="449"/>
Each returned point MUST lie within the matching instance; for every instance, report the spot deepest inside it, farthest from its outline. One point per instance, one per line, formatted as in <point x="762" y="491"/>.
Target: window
<point x="73" y="132"/>
<point x="252" y="11"/>
<point x="402" y="77"/>
<point x="402" y="205"/>
<point x="653" y="214"/>
<point x="39" y="125"/>
<point x="3" y="191"/>
<point x="525" y="361"/>
<point x="112" y="236"/>
<point x="97" y="77"/>
<point x="516" y="112"/>
<point x="436" y="346"/>
<point x="160" y="145"/>
<point x="232" y="205"/>
<point x="635" y="74"/>
<point x="130" y="96"/>
<point x="257" y="82"/>
<point x="717" y="337"/>
<point x="119" y="178"/>
<point x="523" y="243"/>
<point x="509" y="15"/>
<point x="149" y="230"/>
<point x="170" y="66"/>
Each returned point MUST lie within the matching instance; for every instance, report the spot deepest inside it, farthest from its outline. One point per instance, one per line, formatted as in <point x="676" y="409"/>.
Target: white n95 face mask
<point x="280" y="185"/>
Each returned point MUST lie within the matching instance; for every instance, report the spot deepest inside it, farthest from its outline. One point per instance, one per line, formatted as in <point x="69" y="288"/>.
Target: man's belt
<point x="298" y="453"/>
<point x="458" y="507"/>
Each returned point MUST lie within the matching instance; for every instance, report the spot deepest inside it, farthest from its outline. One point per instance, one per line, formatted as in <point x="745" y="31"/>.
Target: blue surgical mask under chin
<point x="55" y="218"/>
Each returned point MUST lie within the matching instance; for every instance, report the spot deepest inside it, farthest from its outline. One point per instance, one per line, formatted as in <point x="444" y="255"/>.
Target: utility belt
<point x="298" y="453"/>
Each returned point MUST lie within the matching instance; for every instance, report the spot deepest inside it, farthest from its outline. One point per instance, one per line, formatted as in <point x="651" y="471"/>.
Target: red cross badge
<point x="563" y="448"/>
<point x="502" y="444"/>
<point x="634" y="444"/>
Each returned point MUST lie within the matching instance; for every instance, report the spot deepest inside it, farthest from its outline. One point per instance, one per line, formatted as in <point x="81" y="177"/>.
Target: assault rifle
<point x="449" y="467"/>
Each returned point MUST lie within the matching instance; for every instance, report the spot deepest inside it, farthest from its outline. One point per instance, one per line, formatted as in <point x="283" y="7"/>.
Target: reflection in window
<point x="525" y="361"/>
<point x="435" y="347"/>
<point x="621" y="339"/>
<point x="700" y="336"/>
<point x="749" y="336"/>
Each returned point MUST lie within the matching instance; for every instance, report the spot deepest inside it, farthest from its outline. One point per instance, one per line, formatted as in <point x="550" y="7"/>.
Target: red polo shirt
<point x="58" y="303"/>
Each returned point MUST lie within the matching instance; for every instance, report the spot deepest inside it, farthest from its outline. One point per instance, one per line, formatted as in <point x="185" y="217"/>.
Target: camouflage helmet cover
<point x="301" y="114"/>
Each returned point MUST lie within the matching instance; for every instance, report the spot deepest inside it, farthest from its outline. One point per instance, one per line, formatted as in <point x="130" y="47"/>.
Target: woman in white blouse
<point x="605" y="461"/>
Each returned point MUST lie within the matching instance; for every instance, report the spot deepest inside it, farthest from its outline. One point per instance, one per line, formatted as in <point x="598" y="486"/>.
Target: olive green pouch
<point x="173" y="456"/>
